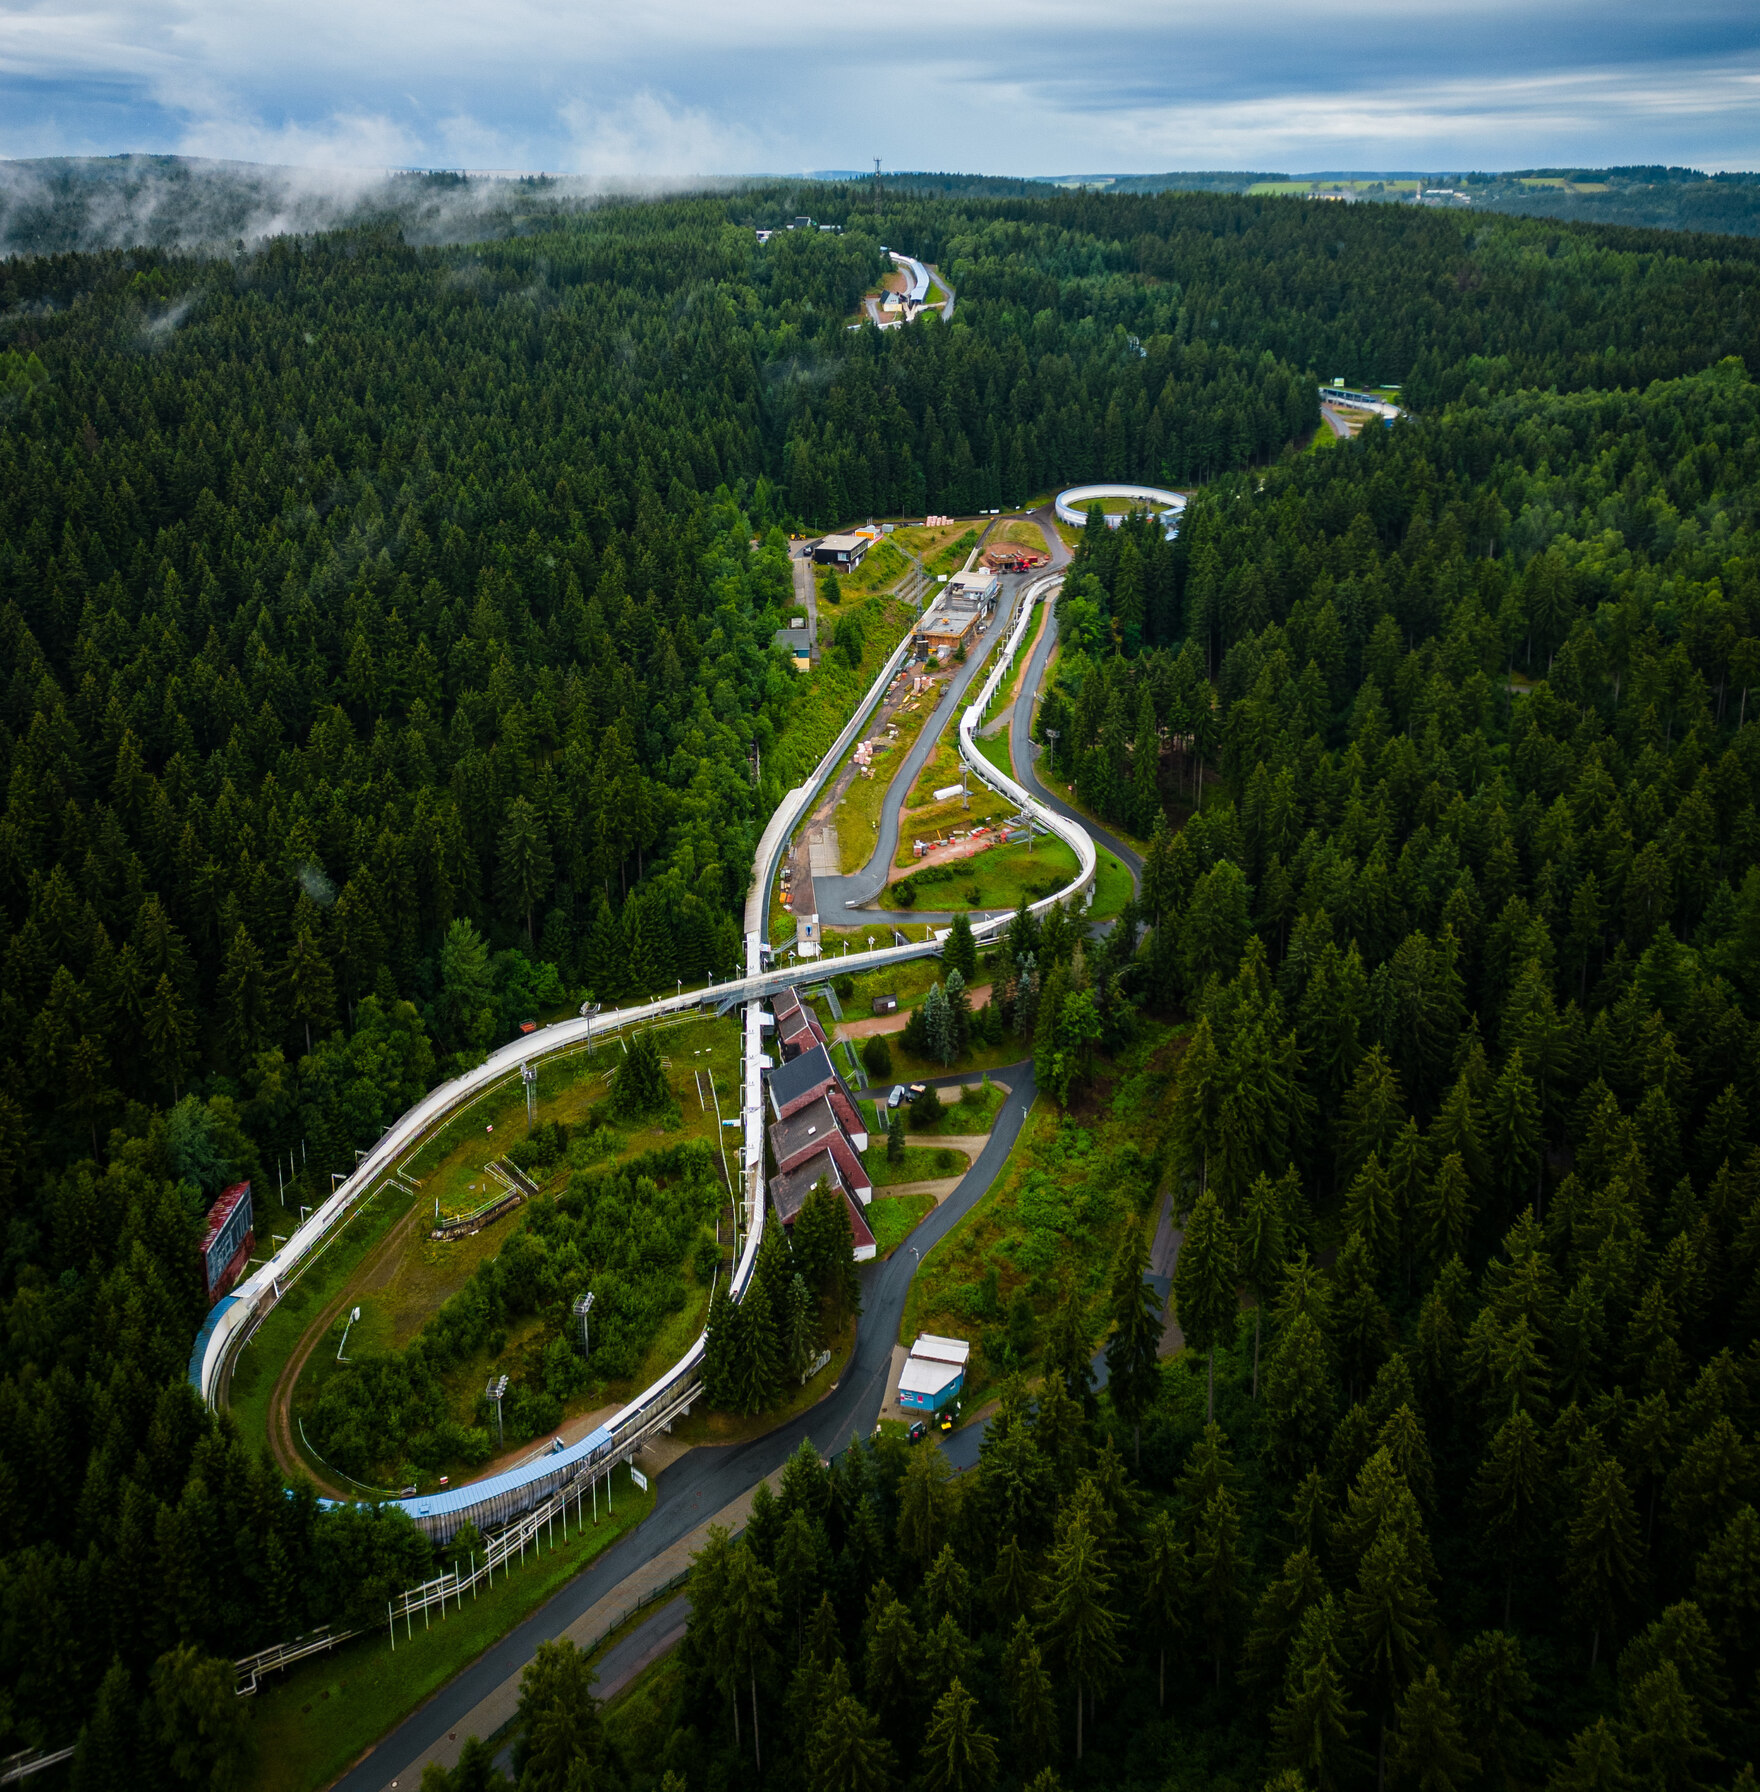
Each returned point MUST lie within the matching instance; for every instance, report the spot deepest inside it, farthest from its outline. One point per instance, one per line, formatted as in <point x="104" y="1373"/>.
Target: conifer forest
<point x="386" y="655"/>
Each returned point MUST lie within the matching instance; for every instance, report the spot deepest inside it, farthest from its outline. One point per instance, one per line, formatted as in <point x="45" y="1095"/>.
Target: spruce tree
<point x="1132" y="1377"/>
<point x="958" y="1754"/>
<point x="1032" y="1719"/>
<point x="1602" y="1552"/>
<point x="1313" y="1723"/>
<point x="1166" y="1588"/>
<point x="1259" y="1251"/>
<point x="1205" y="1298"/>
<point x="1076" y="1616"/>
<point x="1429" y="1751"/>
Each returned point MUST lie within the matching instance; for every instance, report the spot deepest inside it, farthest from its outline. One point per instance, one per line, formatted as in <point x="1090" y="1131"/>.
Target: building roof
<point x="849" y="1116"/>
<point x="812" y="1126"/>
<point x="859" y="1227"/>
<point x="972" y="584"/>
<point x="952" y="623"/>
<point x="843" y="544"/>
<point x="930" y="1348"/>
<point x="849" y="1165"/>
<point x="800" y="1078"/>
<point x="797" y="1020"/>
<point x="922" y="1376"/>
<point x="785" y="1001"/>
<point x="789" y="1190"/>
<point x="222" y="1210"/>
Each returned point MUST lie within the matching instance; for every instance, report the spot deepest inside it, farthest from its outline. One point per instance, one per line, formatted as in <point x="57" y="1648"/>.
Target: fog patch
<point x="316" y="885"/>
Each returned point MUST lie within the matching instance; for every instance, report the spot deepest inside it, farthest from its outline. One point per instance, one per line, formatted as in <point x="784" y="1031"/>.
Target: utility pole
<point x="494" y="1391"/>
<point x="528" y="1074"/>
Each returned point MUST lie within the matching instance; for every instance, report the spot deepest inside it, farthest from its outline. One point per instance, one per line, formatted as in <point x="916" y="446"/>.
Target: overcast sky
<point x="679" y="87"/>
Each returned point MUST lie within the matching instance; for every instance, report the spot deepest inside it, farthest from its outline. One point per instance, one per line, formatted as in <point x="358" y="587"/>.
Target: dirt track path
<point x="282" y="1442"/>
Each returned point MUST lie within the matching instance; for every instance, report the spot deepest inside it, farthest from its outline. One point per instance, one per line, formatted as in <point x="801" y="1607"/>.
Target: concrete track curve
<point x="1071" y="504"/>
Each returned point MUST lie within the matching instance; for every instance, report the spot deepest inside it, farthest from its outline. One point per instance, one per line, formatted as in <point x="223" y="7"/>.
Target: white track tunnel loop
<point x="1168" y="506"/>
<point x="500" y="1499"/>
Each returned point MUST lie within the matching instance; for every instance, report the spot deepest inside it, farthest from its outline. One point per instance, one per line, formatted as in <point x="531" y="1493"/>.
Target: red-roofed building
<point x="227" y="1243"/>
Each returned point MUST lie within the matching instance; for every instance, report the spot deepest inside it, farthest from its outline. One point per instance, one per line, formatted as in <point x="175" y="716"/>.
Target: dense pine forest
<point x="386" y="652"/>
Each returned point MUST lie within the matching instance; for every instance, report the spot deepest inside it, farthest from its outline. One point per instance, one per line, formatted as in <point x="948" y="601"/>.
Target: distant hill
<point x="60" y="204"/>
<point x="1192" y="181"/>
<point x="1655" y="198"/>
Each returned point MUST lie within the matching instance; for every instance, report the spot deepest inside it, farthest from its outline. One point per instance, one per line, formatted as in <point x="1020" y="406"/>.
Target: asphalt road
<point x="1024" y="751"/>
<point x="806" y="593"/>
<point x="704" y="1480"/>
<point x="839" y="898"/>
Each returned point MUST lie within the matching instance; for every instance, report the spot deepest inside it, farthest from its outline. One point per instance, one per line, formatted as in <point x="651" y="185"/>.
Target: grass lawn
<point x="1019" y="532"/>
<point x="937" y="820"/>
<point x="881" y="566"/>
<point x="908" y="1068"/>
<point x="940" y="769"/>
<point x="253" y="1378"/>
<point x="921" y="1163"/>
<point x="994" y="747"/>
<point x="1112" y="886"/>
<point x="927" y="544"/>
<point x="1003" y="876"/>
<point x="828" y="695"/>
<point x="971" y="1112"/>
<point x="1055" y="1211"/>
<point x="892" y="1219"/>
<point x="309" y="1723"/>
<point x="908" y="981"/>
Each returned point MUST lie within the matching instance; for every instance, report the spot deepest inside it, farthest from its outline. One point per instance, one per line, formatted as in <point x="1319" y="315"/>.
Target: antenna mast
<point x="876" y="186"/>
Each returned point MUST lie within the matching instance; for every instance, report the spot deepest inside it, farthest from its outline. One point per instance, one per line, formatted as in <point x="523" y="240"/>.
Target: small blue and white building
<point x="934" y="1373"/>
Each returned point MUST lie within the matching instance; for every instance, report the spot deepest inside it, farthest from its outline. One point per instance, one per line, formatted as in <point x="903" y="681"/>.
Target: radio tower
<point x="876" y="186"/>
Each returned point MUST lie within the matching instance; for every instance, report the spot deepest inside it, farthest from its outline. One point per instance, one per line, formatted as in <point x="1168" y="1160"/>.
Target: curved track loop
<point x="495" y="1501"/>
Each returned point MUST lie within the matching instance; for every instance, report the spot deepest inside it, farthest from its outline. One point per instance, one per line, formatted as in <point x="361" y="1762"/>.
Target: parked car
<point x="898" y="1094"/>
<point x="918" y="1432"/>
<point x="916" y="1089"/>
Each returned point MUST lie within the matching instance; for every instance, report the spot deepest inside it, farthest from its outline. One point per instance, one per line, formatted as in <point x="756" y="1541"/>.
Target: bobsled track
<point x="546" y="1485"/>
